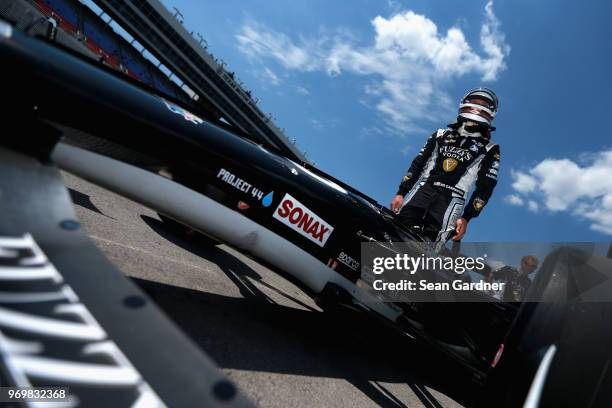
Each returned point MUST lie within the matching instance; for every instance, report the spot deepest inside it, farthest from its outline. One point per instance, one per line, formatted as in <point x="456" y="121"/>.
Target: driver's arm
<point x="485" y="184"/>
<point x="416" y="168"/>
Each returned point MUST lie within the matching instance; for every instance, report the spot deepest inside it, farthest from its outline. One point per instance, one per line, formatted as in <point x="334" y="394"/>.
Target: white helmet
<point x="479" y="105"/>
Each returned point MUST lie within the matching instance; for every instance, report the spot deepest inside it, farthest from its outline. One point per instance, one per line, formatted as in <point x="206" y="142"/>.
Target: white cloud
<point x="523" y="183"/>
<point x="301" y="90"/>
<point x="513" y="199"/>
<point x="316" y="124"/>
<point x="374" y="131"/>
<point x="409" y="62"/>
<point x="270" y="76"/>
<point x="562" y="185"/>
<point x="533" y="206"/>
<point x="494" y="44"/>
<point x="256" y="40"/>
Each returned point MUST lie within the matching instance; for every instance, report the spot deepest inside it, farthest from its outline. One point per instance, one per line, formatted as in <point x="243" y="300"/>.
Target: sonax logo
<point x="299" y="218"/>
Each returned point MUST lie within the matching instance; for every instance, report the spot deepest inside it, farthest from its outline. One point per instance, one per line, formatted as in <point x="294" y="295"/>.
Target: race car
<point x="124" y="136"/>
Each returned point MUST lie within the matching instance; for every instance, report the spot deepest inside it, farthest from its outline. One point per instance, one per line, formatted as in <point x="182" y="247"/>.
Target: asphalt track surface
<point x="263" y="332"/>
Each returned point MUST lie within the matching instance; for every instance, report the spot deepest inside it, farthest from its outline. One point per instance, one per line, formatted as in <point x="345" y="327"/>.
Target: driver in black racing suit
<point x="431" y="197"/>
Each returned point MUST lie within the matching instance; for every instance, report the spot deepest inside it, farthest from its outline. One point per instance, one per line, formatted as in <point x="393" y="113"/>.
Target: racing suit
<point x="436" y="186"/>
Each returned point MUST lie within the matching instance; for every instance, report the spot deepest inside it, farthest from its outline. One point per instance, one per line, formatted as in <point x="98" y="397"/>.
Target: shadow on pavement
<point x="237" y="271"/>
<point x="84" y="200"/>
<point x="254" y="333"/>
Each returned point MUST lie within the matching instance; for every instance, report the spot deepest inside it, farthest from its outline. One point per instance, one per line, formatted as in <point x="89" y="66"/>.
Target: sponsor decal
<point x="243" y="206"/>
<point x="449" y="164"/>
<point x="450" y="140"/>
<point x="491" y="176"/>
<point x="495" y="165"/>
<point x="406" y="178"/>
<point x="348" y="261"/>
<point x="474" y="148"/>
<point x="267" y="200"/>
<point x="455" y="152"/>
<point x="49" y="337"/>
<point x="301" y="219"/>
<point x="493" y="171"/>
<point x="245" y="187"/>
<point x="188" y="116"/>
<point x="479" y="203"/>
<point x="452" y="188"/>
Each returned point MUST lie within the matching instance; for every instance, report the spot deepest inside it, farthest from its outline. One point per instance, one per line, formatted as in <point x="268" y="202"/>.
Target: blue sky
<point x="361" y="84"/>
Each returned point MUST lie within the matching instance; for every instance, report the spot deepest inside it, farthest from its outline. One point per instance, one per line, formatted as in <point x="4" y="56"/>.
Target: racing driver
<point x="432" y="195"/>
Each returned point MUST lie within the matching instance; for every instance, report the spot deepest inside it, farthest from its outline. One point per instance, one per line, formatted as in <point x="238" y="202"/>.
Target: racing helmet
<point x="479" y="105"/>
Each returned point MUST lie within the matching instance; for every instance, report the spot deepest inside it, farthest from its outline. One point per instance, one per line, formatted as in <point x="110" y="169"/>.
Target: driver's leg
<point x="410" y="215"/>
<point x="413" y="219"/>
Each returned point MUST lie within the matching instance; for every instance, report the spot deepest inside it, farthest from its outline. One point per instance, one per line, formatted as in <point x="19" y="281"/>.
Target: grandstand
<point x="143" y="40"/>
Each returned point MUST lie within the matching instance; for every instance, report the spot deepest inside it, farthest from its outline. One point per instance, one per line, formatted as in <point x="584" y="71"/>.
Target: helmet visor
<point x="476" y="110"/>
<point x="481" y="100"/>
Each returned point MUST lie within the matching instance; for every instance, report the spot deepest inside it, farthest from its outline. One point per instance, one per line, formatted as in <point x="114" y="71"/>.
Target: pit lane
<point x="262" y="331"/>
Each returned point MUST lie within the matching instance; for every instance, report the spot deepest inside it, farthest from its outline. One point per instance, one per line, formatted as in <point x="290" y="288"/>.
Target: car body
<point x="291" y="215"/>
